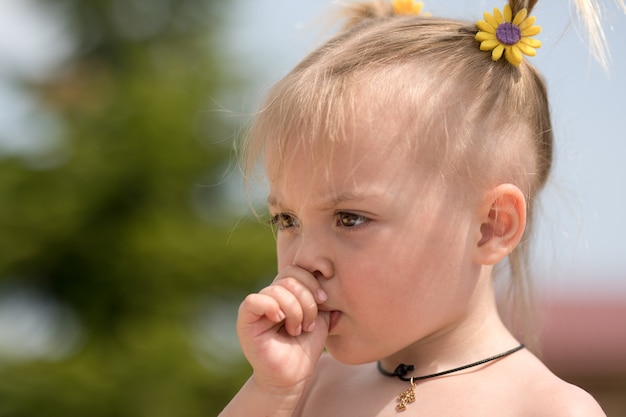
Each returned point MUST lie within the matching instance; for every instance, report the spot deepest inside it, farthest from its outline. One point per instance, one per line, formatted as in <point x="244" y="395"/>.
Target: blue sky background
<point x="581" y="245"/>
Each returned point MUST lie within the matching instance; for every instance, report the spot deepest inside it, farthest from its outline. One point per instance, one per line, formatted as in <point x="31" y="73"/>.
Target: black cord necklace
<point x="408" y="396"/>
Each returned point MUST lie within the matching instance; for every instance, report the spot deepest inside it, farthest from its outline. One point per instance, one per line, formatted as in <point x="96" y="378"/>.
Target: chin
<point x="349" y="353"/>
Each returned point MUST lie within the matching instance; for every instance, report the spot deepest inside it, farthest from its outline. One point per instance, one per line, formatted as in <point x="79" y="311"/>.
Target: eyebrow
<point x="345" y="197"/>
<point x="334" y="201"/>
<point x="272" y="201"/>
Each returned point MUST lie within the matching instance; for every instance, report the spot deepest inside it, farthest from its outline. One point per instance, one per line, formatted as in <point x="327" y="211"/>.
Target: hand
<point x="281" y="330"/>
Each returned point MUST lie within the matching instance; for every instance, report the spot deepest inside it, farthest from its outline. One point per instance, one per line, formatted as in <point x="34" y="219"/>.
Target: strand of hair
<point x="589" y="12"/>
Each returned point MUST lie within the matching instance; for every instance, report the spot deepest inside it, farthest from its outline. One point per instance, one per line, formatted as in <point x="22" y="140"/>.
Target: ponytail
<point x="589" y="12"/>
<point x="517" y="5"/>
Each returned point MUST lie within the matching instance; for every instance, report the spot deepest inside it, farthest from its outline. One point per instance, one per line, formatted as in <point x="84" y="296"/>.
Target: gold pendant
<point x="406" y="397"/>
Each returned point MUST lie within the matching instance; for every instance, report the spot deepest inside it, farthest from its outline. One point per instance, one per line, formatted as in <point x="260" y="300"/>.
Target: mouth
<point x="334" y="317"/>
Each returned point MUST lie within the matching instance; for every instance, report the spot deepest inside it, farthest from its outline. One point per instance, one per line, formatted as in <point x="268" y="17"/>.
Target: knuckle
<point x="311" y="307"/>
<point x="291" y="284"/>
<point x="247" y="301"/>
<point x="283" y="296"/>
<point x="274" y="291"/>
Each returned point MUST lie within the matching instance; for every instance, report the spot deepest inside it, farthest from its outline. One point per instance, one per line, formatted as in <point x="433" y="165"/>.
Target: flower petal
<point x="407" y="7"/>
<point x="497" y="52"/>
<point x="533" y="43"/>
<point x="486" y="27"/>
<point x="520" y="16"/>
<point x="490" y="44"/>
<point x="498" y="16"/>
<point x="531" y="31"/>
<point x="526" y="49"/>
<point x="484" y="36"/>
<point x="508" y="13"/>
<point x="513" y="55"/>
<point x="490" y="20"/>
<point x="528" y="22"/>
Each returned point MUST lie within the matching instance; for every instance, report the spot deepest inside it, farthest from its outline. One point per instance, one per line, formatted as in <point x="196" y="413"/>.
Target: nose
<point x="314" y="254"/>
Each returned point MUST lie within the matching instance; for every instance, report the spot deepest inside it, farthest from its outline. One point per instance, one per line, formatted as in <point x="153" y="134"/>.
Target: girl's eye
<point x="283" y="221"/>
<point x="351" y="219"/>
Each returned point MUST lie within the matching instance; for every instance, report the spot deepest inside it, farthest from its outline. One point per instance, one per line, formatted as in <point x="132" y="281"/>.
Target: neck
<point x="477" y="335"/>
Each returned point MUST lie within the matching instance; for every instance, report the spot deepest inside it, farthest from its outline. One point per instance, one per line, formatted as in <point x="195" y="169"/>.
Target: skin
<point x="378" y="259"/>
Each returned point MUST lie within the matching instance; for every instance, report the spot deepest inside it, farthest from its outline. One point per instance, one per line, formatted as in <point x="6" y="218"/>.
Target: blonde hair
<point x="478" y="122"/>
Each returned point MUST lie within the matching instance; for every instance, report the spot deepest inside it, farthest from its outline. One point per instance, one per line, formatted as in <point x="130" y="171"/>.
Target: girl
<point x="403" y="158"/>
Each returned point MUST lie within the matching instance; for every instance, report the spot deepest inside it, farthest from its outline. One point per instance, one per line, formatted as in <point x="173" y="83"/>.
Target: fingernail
<point x="321" y="296"/>
<point x="311" y="327"/>
<point x="281" y="315"/>
<point x="298" y="330"/>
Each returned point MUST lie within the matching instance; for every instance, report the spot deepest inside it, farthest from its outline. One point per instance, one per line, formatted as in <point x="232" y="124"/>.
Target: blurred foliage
<point x="105" y="222"/>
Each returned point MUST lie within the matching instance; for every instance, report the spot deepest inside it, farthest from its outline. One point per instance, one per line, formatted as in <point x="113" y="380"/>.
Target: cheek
<point x="417" y="262"/>
<point x="284" y="256"/>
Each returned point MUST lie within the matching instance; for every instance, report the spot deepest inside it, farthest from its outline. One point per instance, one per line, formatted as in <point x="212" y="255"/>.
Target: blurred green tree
<point x="127" y="229"/>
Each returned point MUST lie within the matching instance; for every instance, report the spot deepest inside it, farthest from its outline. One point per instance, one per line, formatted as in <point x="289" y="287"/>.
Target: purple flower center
<point x="508" y="33"/>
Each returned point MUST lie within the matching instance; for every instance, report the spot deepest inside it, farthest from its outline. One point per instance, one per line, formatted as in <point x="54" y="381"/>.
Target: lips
<point x="333" y="319"/>
<point x="333" y="316"/>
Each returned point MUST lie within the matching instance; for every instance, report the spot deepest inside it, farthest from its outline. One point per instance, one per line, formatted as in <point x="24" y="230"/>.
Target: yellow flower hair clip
<point x="407" y="7"/>
<point x="503" y="34"/>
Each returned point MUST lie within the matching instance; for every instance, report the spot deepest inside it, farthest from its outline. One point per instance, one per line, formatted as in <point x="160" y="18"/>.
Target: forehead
<point x="362" y="166"/>
<point x="340" y="130"/>
<point x="362" y="141"/>
<point x="356" y="126"/>
<point x="310" y="111"/>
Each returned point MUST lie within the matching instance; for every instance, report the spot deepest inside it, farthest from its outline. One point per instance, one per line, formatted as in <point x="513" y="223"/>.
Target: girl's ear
<point x="502" y="220"/>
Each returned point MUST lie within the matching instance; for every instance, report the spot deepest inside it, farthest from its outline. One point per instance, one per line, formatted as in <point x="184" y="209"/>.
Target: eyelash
<point x="342" y="215"/>
<point x="276" y="221"/>
<point x="284" y="221"/>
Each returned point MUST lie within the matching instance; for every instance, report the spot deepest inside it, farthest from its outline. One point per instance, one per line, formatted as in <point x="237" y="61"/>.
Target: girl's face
<point x="389" y="243"/>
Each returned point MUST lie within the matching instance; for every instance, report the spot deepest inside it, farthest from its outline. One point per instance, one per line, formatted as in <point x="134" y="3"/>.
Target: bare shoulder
<point x="548" y="395"/>
<point x="560" y="398"/>
<point x="570" y="401"/>
<point x="519" y="386"/>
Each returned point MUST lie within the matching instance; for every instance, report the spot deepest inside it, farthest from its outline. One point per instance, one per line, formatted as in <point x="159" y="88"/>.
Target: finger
<point x="306" y="278"/>
<point x="305" y="298"/>
<point x="291" y="277"/>
<point x="319" y="335"/>
<point x="289" y="305"/>
<point x="256" y="306"/>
